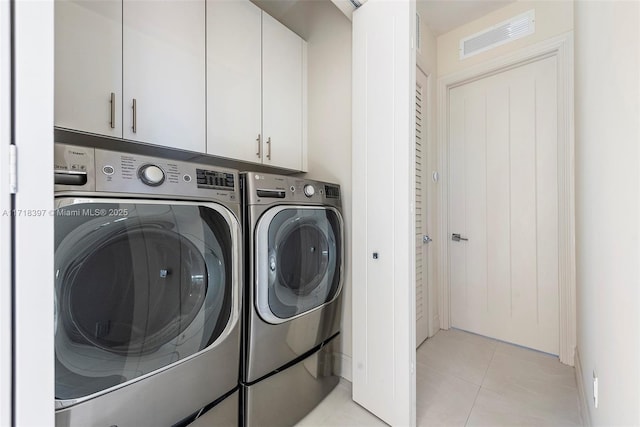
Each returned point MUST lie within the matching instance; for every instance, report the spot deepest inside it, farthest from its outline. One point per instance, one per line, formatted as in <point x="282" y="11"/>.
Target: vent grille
<point x="505" y="32"/>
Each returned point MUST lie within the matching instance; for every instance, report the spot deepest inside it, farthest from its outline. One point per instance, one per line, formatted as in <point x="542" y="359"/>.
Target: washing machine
<point x="295" y="264"/>
<point x="148" y="282"/>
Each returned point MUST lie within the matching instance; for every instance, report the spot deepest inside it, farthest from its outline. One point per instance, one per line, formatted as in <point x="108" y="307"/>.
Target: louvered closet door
<point x="422" y="302"/>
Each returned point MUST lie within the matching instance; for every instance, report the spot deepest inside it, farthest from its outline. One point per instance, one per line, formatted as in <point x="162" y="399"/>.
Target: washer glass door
<point x="139" y="286"/>
<point x="299" y="260"/>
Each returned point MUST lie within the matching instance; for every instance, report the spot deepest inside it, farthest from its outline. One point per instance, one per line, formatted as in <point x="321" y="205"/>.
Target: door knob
<point x="456" y="238"/>
<point x="426" y="239"/>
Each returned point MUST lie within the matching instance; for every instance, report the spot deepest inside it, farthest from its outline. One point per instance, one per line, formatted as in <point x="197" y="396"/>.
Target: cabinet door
<point x="164" y="72"/>
<point x="234" y="104"/>
<point x="88" y="66"/>
<point x="282" y="95"/>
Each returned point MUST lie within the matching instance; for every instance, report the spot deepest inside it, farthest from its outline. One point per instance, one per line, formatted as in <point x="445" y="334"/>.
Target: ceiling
<point x="442" y="16"/>
<point x="277" y="9"/>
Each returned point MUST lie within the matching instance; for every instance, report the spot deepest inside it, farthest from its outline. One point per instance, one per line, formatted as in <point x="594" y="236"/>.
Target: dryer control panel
<point x="264" y="189"/>
<point x="82" y="169"/>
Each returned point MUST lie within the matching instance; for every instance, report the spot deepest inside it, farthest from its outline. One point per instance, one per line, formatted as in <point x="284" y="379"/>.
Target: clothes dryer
<point x="295" y="264"/>
<point x="148" y="274"/>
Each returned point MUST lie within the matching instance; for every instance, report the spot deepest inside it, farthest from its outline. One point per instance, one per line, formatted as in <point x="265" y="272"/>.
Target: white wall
<point x="329" y="138"/>
<point x="328" y="34"/>
<point x="427" y="60"/>
<point x="553" y="18"/>
<point x="607" y="119"/>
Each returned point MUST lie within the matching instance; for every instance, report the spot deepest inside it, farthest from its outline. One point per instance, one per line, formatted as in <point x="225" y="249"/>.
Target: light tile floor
<point x="468" y="380"/>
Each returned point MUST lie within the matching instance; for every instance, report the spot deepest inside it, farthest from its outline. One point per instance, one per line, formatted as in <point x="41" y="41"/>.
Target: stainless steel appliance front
<point x="295" y="267"/>
<point x="148" y="279"/>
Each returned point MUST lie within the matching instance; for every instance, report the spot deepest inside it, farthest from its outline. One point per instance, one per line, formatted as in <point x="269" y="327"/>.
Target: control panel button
<point x="309" y="190"/>
<point x="108" y="170"/>
<point x="187" y="178"/>
<point x="151" y="175"/>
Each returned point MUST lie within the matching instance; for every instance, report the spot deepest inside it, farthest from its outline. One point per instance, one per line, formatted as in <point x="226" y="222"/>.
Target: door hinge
<point x="13" y="169"/>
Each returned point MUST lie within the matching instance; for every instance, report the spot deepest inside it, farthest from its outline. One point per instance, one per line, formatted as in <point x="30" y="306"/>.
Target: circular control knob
<point x="309" y="190"/>
<point x="151" y="175"/>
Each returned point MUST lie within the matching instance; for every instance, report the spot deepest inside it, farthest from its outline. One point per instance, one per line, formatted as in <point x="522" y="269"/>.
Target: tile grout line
<point x="460" y="378"/>
<point x="472" y="406"/>
<point x="489" y="364"/>
<point x="481" y="384"/>
<point x="448" y="376"/>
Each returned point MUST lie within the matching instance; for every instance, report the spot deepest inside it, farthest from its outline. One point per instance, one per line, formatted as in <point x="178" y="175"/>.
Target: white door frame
<point x="6" y="297"/>
<point x="33" y="249"/>
<point x="562" y="48"/>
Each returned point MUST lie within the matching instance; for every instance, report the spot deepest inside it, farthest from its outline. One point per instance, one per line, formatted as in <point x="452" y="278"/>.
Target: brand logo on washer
<point x="77" y="153"/>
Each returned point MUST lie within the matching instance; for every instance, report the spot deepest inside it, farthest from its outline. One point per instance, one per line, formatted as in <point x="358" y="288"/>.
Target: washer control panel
<point x="121" y="172"/>
<point x="117" y="172"/>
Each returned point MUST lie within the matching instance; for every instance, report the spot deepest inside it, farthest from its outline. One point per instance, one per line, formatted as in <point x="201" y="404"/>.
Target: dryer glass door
<point x="139" y="286"/>
<point x="300" y="257"/>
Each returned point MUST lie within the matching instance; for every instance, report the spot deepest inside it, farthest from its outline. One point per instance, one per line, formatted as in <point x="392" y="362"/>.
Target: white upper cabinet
<point x="234" y="74"/>
<point x="164" y="73"/>
<point x="110" y="53"/>
<point x="88" y="66"/>
<point x="283" y="95"/>
<point x="256" y="87"/>
<point x="226" y="79"/>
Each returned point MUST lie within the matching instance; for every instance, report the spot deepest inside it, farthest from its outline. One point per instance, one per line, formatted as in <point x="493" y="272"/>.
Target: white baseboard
<point x="342" y="366"/>
<point x="582" y="392"/>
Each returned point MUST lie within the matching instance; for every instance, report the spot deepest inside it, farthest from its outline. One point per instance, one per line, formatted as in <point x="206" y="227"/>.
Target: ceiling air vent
<point x="504" y="32"/>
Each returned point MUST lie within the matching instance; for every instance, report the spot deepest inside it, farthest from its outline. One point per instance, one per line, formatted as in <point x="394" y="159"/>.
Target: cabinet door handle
<point x="113" y="110"/>
<point x="258" y="141"/>
<point x="269" y="148"/>
<point x="135" y="116"/>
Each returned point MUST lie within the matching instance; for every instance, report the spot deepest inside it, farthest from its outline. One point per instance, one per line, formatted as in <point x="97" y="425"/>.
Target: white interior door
<point x="504" y="200"/>
<point x="422" y="210"/>
<point x="384" y="320"/>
